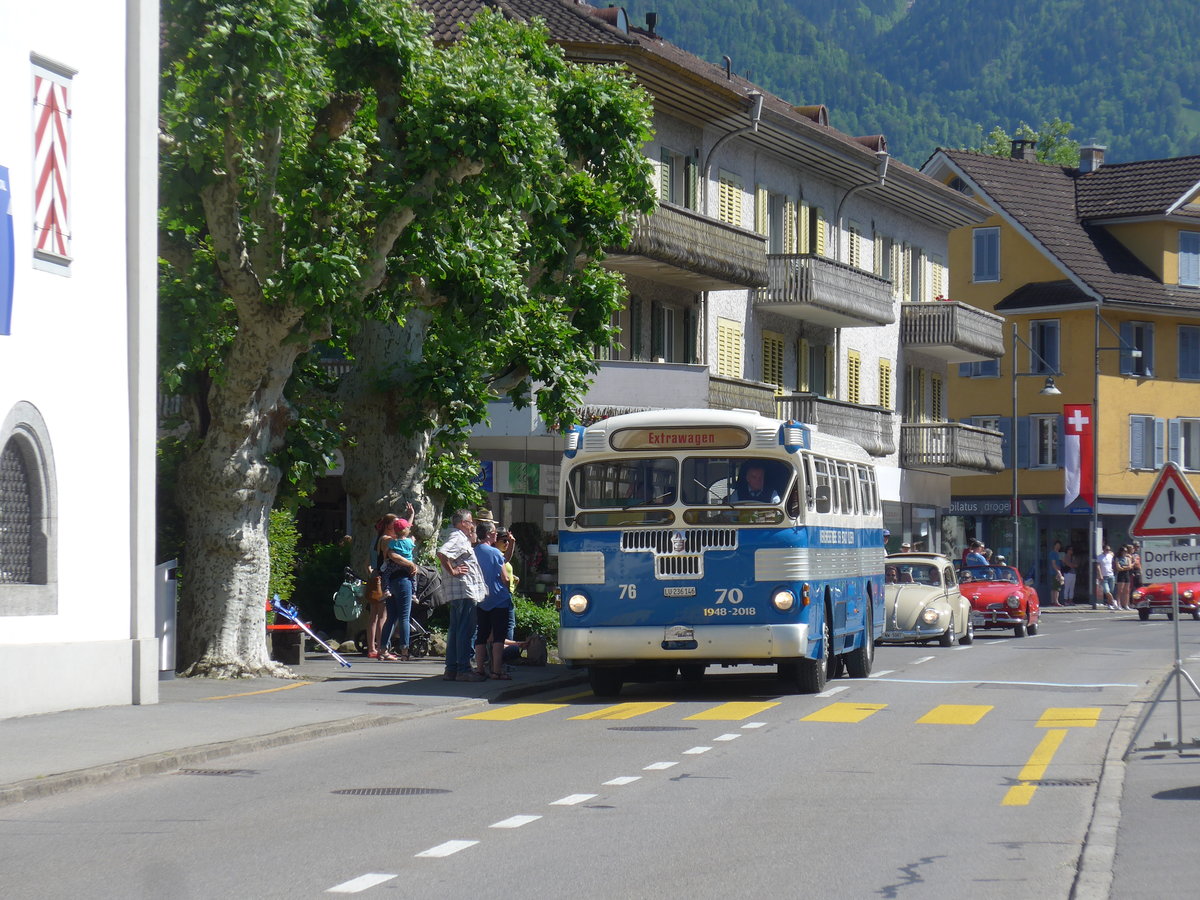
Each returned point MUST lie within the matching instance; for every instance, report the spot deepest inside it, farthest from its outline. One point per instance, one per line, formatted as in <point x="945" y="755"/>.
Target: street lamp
<point x="1049" y="390"/>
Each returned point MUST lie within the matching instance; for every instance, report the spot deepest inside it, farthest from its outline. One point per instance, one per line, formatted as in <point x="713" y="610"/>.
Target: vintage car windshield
<point x="988" y="573"/>
<point x="910" y="573"/>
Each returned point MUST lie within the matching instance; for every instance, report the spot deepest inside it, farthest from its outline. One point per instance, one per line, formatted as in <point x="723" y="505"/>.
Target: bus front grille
<point x="667" y="540"/>
<point x="689" y="566"/>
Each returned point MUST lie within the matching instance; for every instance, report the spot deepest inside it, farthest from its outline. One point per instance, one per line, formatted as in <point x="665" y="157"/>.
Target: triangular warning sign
<point x="1170" y="509"/>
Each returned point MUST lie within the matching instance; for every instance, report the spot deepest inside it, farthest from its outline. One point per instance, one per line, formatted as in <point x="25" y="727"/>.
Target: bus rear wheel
<point x="605" y="681"/>
<point x="859" y="660"/>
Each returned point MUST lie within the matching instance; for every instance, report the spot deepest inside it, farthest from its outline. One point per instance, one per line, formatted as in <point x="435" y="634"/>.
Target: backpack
<point x="536" y="654"/>
<point x="347" y="602"/>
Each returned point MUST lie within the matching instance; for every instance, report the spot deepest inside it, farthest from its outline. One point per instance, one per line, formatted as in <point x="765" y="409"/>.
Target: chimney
<point x="1091" y="158"/>
<point x="651" y="22"/>
<point x="1024" y="148"/>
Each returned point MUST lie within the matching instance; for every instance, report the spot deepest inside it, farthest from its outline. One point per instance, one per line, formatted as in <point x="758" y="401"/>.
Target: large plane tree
<point x="332" y="178"/>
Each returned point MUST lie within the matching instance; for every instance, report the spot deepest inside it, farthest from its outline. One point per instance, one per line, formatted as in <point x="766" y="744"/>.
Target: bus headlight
<point x="783" y="600"/>
<point x="1013" y="601"/>
<point x="930" y="616"/>
<point x="577" y="604"/>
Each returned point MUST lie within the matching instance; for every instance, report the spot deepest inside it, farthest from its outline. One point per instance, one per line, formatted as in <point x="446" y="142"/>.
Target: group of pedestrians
<point x="1117" y="575"/>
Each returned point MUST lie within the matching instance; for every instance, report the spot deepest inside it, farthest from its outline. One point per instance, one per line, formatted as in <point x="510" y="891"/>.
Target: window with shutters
<point x="1137" y="336"/>
<point x="1044" y="432"/>
<point x="855" y="237"/>
<point x="52" y="88"/>
<point x="916" y="275"/>
<point x="853" y="376"/>
<point x="814" y="364"/>
<point x="936" y="395"/>
<point x="1189" y="352"/>
<point x="812" y="229"/>
<point x="1189" y="258"/>
<point x="729" y="198"/>
<point x="1185" y="443"/>
<point x="28" y="576"/>
<point x="678" y="178"/>
<point x="729" y="348"/>
<point x="885" y="383"/>
<point x="985" y="254"/>
<point x="937" y="275"/>
<point x="772" y="360"/>
<point x="1147" y="442"/>
<point x="1044" y="347"/>
<point x="883" y="257"/>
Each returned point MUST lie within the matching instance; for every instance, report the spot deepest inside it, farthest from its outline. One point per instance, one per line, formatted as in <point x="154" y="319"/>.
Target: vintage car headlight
<point x="783" y="600"/>
<point x="930" y="616"/>
<point x="577" y="604"/>
<point x="1138" y="594"/>
<point x="1013" y="601"/>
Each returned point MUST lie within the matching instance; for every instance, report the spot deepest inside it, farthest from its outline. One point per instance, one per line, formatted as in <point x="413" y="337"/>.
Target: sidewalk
<point x="198" y="720"/>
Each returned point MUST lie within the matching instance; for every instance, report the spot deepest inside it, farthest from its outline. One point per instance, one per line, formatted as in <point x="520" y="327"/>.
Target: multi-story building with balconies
<point x="789" y="268"/>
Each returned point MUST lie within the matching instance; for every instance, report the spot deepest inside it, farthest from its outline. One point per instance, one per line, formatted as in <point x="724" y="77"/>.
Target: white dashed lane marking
<point x="572" y="799"/>
<point x="727" y="737"/>
<point x="515" y="821"/>
<point x="446" y="849"/>
<point x="659" y="766"/>
<point x="624" y="779"/>
<point x="696" y="751"/>
<point x="361" y="883"/>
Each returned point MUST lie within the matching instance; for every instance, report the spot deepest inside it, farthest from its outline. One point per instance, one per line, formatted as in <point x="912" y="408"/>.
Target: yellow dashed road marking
<point x="949" y="714"/>
<point x="1070" y="717"/>
<point x="1035" y="768"/>
<point x="623" y="711"/>
<point x="516" y="711"/>
<point x="732" y="712"/>
<point x="286" y="687"/>
<point x="845" y="712"/>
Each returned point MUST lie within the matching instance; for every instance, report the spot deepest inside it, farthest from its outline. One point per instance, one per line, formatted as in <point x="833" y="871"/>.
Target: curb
<point x="1094" y="874"/>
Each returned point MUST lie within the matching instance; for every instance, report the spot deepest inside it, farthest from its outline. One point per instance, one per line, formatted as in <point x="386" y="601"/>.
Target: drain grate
<point x="236" y="773"/>
<point x="651" y="728"/>
<point x="1059" y="782"/>
<point x="389" y="792"/>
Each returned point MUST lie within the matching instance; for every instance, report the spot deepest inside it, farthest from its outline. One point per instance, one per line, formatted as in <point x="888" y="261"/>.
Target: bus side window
<point x="809" y="498"/>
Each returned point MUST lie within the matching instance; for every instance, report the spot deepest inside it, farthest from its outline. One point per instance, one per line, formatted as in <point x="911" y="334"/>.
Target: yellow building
<point x="1097" y="272"/>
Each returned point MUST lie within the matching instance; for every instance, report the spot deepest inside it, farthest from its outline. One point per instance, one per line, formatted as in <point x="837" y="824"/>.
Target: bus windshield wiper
<point x="652" y="500"/>
<point x="712" y="494"/>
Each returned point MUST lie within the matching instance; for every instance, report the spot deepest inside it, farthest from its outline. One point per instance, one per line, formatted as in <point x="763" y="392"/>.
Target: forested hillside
<point x="943" y="72"/>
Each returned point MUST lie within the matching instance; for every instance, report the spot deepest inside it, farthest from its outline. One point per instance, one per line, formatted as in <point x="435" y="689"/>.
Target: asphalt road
<point x="969" y="771"/>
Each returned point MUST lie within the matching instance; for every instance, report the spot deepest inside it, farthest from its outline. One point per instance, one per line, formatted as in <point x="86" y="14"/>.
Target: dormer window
<point x="1189" y="258"/>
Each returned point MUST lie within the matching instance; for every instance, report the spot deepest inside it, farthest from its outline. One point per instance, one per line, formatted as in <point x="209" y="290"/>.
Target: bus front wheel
<point x="605" y="681"/>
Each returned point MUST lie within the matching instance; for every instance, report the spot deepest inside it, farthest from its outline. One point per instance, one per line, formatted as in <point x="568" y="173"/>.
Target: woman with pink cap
<point x="398" y="572"/>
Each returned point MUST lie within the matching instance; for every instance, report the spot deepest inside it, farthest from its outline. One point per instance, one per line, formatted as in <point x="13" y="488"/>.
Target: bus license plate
<point x="679" y="592"/>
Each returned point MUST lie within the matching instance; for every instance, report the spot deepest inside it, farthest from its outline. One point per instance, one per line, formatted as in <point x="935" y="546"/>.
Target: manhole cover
<point x="232" y="772"/>
<point x="651" y="728"/>
<point x="389" y="792"/>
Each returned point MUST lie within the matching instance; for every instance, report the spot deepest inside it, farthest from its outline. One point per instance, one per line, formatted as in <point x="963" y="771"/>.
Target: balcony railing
<point x="825" y="292"/>
<point x="951" y="448"/>
<point x="951" y="330"/>
<point x="684" y="248"/>
<point x="737" y="393"/>
<point x="871" y="427"/>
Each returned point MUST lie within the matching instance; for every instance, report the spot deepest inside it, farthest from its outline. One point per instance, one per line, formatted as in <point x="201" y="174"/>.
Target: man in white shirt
<point x="467" y="588"/>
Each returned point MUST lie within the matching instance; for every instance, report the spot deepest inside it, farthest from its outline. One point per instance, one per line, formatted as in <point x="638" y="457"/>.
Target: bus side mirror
<point x="824" y="503"/>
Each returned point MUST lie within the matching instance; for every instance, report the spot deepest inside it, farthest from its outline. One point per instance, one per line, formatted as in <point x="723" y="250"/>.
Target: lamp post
<point x="1049" y="390"/>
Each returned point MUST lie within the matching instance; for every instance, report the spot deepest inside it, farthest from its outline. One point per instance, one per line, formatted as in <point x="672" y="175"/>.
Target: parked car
<point x="1152" y="598"/>
<point x="922" y="602"/>
<point x="1000" y="598"/>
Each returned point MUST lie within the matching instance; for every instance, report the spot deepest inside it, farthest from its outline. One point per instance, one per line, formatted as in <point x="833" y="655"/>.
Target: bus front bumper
<point x="709" y="643"/>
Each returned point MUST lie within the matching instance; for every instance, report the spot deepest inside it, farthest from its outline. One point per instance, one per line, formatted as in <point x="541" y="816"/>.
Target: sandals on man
<point x="389" y="656"/>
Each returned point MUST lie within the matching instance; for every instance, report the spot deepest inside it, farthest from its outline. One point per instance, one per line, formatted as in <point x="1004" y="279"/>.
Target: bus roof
<point x="764" y="430"/>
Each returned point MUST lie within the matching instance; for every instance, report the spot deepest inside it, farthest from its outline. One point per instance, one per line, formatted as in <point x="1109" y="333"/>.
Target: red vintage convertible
<point x="1000" y="598"/>
<point x="1157" y="598"/>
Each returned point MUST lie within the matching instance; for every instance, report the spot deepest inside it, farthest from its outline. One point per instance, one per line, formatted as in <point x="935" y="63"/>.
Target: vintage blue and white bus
<point x="698" y="537"/>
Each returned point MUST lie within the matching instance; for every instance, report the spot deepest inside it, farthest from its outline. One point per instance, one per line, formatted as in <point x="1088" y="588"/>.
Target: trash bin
<point x="164" y="615"/>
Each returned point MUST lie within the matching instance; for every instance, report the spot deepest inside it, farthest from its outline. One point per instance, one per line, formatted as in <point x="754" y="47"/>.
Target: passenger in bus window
<point x="752" y="485"/>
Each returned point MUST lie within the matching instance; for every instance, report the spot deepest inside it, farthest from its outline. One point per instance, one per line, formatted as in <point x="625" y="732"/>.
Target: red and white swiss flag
<point x="1080" y="487"/>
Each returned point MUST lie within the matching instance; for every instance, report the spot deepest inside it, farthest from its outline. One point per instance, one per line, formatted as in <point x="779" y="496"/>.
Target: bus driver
<point x="752" y="485"/>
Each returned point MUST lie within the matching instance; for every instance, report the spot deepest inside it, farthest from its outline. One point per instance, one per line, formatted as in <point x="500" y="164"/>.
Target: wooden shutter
<point x="802" y="363"/>
<point x="729" y="199"/>
<point x="729" y="348"/>
<point x="885" y="383"/>
<point x="790" y="235"/>
<point x="819" y="230"/>
<point x="762" y="209"/>
<point x="853" y="376"/>
<point x="772" y="360"/>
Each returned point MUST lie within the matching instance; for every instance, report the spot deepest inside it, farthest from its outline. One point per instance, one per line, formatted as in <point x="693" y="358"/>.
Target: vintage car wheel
<point x="947" y="637"/>
<point x="1196" y="614"/>
<point x="1170" y="617"/>
<point x="1032" y="627"/>
<point x="1144" y="614"/>
<point x="604" y="681"/>
<point x="968" y="637"/>
<point x="1020" y="630"/>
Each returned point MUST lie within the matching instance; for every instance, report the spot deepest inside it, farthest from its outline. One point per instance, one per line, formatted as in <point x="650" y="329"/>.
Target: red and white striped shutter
<point x="51" y="172"/>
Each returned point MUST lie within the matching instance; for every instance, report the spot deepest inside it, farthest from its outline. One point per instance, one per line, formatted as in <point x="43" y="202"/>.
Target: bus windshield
<point x="734" y="480"/>
<point x="624" y="483"/>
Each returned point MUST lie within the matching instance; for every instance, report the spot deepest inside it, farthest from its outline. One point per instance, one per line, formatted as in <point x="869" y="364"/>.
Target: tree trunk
<point x="226" y="489"/>
<point x="386" y="456"/>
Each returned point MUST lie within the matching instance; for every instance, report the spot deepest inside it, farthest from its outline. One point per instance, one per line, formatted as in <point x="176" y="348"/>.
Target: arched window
<point x="28" y="558"/>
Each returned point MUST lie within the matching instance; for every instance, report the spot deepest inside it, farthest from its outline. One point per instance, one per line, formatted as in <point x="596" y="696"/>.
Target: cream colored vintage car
<point x="923" y="603"/>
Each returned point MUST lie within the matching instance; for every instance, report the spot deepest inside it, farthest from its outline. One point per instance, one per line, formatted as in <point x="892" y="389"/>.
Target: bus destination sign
<point x="681" y="438"/>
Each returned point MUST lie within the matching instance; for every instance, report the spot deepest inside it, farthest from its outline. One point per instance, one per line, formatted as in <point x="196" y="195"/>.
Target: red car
<point x="1157" y="598"/>
<point x="1000" y="598"/>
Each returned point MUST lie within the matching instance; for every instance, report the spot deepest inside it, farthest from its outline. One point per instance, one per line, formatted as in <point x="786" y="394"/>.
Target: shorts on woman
<point x="493" y="625"/>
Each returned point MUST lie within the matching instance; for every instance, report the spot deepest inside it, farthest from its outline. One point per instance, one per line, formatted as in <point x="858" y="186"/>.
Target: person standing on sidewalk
<point x="1070" y="565"/>
<point x="1057" y="576"/>
<point x="467" y="588"/>
<point x="492" y="613"/>
<point x="1106" y="579"/>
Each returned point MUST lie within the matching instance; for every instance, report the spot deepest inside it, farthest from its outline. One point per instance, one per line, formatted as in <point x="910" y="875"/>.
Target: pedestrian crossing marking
<point x="623" y="711"/>
<point x="516" y="711"/>
<point x="731" y="712"/>
<point x="1070" y="717"/>
<point x="845" y="712"/>
<point x="1034" y="769"/>
<point x="950" y="714"/>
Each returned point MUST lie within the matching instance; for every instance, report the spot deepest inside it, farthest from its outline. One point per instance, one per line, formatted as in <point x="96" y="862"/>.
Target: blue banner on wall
<point x="7" y="260"/>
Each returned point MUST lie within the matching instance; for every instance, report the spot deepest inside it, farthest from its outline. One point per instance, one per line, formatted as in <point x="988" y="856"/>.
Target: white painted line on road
<point x="572" y="799"/>
<point x="515" y="821"/>
<point x="1063" y="684"/>
<point x="917" y="662"/>
<point x="624" y="779"/>
<point x="754" y="724"/>
<point x="833" y="690"/>
<point x="659" y="766"/>
<point x="361" y="883"/>
<point x="446" y="849"/>
<point x="727" y="737"/>
<point x="880" y="673"/>
<point x="695" y="751"/>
